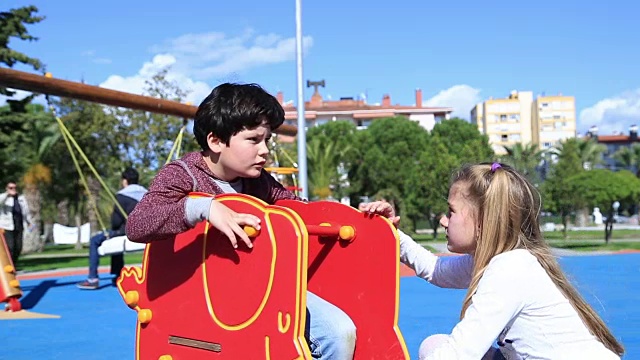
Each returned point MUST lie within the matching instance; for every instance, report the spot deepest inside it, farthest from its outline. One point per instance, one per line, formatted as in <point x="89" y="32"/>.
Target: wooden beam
<point x="41" y="84"/>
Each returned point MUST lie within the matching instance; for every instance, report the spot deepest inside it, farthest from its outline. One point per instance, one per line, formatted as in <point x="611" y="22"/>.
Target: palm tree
<point x="589" y="151"/>
<point x="43" y="134"/>
<point x="629" y="157"/>
<point x="525" y="159"/>
<point x="323" y="158"/>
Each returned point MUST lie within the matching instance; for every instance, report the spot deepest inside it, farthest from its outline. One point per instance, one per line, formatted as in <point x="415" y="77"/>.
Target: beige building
<point x="520" y="118"/>
<point x="319" y="111"/>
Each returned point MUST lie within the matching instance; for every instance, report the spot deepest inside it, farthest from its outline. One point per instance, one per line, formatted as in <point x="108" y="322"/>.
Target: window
<point x="504" y="138"/>
<point x="503" y="117"/>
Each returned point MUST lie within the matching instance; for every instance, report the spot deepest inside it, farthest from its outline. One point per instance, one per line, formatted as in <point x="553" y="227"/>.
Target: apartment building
<point x="519" y="118"/>
<point x="319" y="111"/>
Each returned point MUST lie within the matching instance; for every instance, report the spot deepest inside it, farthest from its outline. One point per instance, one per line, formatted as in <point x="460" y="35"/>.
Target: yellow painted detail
<point x="283" y="328"/>
<point x="267" y="293"/>
<point x="267" y="348"/>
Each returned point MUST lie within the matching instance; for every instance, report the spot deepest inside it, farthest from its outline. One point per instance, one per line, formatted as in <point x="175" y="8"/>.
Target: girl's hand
<point x="382" y="208"/>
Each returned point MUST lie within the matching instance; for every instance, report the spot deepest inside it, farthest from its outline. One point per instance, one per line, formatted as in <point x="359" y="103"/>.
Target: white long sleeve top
<point x="515" y="303"/>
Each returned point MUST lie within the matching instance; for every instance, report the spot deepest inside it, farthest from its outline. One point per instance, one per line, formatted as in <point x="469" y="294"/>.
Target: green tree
<point x="13" y="25"/>
<point x="601" y="188"/>
<point x="432" y="184"/>
<point x="525" y="159"/>
<point x="556" y="189"/>
<point x="146" y="139"/>
<point x="463" y="139"/>
<point x="629" y="157"/>
<point x="388" y="155"/>
<point x="91" y="128"/>
<point x="329" y="171"/>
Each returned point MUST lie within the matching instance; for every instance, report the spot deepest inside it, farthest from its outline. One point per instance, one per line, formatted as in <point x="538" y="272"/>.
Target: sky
<point x="459" y="52"/>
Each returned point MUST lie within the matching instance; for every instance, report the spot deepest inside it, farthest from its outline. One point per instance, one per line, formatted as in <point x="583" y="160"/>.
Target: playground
<point x="326" y="248"/>
<point x="99" y="325"/>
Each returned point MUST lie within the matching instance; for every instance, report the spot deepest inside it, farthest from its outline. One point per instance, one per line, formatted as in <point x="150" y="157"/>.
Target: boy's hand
<point x="381" y="208"/>
<point x="229" y="223"/>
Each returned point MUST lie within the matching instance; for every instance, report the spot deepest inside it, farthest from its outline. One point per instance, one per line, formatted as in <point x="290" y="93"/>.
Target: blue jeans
<point x="329" y="331"/>
<point x="117" y="260"/>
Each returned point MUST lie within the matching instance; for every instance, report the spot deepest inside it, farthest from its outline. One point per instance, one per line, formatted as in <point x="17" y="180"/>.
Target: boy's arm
<point x="161" y="213"/>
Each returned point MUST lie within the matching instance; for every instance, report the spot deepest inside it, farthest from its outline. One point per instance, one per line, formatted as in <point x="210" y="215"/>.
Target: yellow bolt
<point x="48" y="75"/>
<point x="9" y="269"/>
<point x="165" y="357"/>
<point x="144" y="316"/>
<point x="347" y="233"/>
<point x="131" y="298"/>
<point x="251" y="231"/>
<point x="14" y="283"/>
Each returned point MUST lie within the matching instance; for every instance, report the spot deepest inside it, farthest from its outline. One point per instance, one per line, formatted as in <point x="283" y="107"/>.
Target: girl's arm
<point x="444" y="271"/>
<point x="498" y="300"/>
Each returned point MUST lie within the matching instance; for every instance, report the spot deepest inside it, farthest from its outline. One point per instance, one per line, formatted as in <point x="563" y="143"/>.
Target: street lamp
<point x="615" y="206"/>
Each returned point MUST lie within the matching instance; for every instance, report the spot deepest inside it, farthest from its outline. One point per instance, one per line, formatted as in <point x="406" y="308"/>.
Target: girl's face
<point x="460" y="222"/>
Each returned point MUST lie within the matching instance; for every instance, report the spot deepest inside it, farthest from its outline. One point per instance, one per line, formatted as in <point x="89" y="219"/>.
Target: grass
<point x="67" y="256"/>
<point x="557" y="235"/>
<point x="595" y="246"/>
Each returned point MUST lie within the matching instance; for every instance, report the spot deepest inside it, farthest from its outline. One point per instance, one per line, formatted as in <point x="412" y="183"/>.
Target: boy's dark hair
<point x="131" y="175"/>
<point x="231" y="108"/>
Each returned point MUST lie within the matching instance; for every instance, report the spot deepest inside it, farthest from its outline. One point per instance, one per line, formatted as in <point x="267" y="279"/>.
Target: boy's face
<point x="246" y="154"/>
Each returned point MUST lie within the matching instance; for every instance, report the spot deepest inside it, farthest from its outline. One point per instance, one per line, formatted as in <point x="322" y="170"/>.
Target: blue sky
<point x="458" y="52"/>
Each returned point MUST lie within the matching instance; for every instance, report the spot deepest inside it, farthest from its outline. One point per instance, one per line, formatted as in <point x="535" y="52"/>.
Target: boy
<point x="232" y="126"/>
<point x="128" y="198"/>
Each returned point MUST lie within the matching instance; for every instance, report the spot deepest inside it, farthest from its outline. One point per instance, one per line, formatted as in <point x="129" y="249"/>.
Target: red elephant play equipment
<point x="197" y="297"/>
<point x="10" y="290"/>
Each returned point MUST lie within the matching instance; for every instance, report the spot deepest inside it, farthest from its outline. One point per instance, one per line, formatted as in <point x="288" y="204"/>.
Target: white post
<point x="302" y="136"/>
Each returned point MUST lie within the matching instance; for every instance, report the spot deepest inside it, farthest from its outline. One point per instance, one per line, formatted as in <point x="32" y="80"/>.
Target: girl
<point x="517" y="292"/>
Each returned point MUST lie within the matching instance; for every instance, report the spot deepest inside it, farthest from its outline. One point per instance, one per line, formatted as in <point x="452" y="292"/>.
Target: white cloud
<point x="194" y="58"/>
<point x="612" y="114"/>
<point x="462" y="98"/>
<point x="197" y="90"/>
<point x="215" y="54"/>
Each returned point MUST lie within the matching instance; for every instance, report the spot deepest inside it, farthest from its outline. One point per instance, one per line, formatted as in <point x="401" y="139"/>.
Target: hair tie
<point x="495" y="166"/>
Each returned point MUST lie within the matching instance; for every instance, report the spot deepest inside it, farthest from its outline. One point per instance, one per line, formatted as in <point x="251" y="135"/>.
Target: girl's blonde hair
<point x="499" y="192"/>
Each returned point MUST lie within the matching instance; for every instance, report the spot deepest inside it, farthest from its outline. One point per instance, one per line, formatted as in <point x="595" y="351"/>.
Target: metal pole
<point x="302" y="132"/>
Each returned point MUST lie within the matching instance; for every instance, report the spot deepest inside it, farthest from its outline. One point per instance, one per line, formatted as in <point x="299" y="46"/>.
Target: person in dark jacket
<point x="128" y="197"/>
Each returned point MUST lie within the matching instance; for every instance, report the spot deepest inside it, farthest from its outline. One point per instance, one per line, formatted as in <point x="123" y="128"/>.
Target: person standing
<point x="14" y="218"/>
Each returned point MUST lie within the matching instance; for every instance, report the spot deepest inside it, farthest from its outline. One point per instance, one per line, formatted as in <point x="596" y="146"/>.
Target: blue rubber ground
<point x="97" y="324"/>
